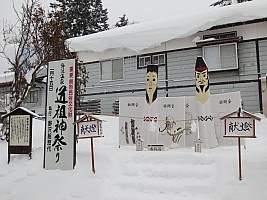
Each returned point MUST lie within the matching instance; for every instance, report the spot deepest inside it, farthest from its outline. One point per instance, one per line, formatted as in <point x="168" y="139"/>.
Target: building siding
<point x="39" y="106"/>
<point x="263" y="56"/>
<point x="181" y="77"/>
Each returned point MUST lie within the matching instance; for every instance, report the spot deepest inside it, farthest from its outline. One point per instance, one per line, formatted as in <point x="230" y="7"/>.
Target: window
<point x="221" y="56"/>
<point x="111" y="70"/>
<point x="158" y="59"/>
<point x="32" y="97"/>
<point x="143" y="61"/>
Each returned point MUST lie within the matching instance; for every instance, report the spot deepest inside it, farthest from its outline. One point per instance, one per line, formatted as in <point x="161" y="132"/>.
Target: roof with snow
<point x="152" y="33"/>
<point x="6" y="78"/>
<point x="24" y="110"/>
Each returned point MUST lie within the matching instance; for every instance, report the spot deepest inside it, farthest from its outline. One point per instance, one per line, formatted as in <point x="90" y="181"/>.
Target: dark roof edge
<point x="238" y="23"/>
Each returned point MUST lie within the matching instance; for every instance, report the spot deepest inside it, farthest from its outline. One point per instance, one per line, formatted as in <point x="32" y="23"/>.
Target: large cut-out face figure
<point x="202" y="81"/>
<point x="151" y="83"/>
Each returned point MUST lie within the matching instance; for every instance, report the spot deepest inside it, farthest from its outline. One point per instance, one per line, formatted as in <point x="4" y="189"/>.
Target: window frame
<point x="151" y="57"/>
<point x="111" y="60"/>
<point x="158" y="55"/>
<point x="144" y="61"/>
<point x="31" y="96"/>
<point x="220" y="58"/>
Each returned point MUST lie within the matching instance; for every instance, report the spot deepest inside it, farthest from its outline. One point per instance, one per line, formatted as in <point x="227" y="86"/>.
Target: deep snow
<point x="123" y="173"/>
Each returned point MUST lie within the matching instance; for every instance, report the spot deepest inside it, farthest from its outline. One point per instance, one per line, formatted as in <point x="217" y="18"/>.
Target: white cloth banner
<point x="173" y="120"/>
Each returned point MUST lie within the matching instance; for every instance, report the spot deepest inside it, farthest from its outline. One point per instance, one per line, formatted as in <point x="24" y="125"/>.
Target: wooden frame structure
<point x="20" y="131"/>
<point x="89" y="126"/>
<point x="238" y="116"/>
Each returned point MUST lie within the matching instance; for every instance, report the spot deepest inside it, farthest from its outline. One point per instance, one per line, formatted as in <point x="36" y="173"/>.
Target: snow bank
<point x="124" y="173"/>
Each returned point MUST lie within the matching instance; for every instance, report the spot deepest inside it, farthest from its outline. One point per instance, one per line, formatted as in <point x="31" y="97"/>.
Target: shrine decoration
<point x="139" y="143"/>
<point x="89" y="126"/>
<point x="198" y="147"/>
<point x="240" y="124"/>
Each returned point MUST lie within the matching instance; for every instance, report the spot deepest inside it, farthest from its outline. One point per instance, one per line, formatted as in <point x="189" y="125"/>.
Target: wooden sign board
<point x="240" y="127"/>
<point x="20" y="135"/>
<point x="20" y="131"/>
<point x="88" y="126"/>
<point x="90" y="129"/>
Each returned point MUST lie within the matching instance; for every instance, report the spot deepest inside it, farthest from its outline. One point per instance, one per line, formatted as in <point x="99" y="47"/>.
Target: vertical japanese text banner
<point x="60" y="134"/>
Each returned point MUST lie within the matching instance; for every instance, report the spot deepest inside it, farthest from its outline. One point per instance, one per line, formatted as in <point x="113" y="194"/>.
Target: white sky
<point x="145" y="10"/>
<point x="136" y="10"/>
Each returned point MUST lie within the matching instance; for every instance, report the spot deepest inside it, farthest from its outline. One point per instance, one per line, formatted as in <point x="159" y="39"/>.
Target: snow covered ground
<point x="125" y="174"/>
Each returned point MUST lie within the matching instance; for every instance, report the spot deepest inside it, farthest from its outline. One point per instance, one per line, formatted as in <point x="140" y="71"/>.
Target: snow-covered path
<point x="162" y="176"/>
<point x="123" y="173"/>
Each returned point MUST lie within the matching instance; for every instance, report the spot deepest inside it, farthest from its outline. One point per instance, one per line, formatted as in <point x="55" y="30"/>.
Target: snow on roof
<point x="152" y="33"/>
<point x="6" y="77"/>
<point x="22" y="108"/>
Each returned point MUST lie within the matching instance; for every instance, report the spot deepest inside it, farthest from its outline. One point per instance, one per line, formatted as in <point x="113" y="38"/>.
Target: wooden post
<point x="239" y="155"/>
<point x="92" y="152"/>
<point x="239" y="149"/>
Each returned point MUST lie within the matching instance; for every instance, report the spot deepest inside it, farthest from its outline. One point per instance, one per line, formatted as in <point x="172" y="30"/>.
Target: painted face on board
<point x="202" y="80"/>
<point x="151" y="82"/>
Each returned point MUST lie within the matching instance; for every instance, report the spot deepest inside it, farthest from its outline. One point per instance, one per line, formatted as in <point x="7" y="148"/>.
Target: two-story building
<point x="232" y="40"/>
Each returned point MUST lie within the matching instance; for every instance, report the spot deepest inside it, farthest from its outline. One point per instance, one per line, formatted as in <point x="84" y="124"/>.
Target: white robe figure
<point x="206" y="124"/>
<point x="208" y="108"/>
<point x="203" y="113"/>
<point x="150" y="123"/>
